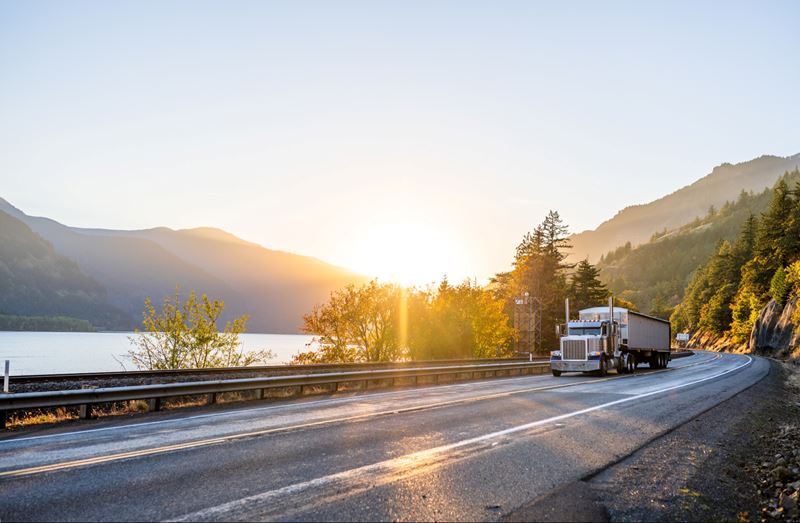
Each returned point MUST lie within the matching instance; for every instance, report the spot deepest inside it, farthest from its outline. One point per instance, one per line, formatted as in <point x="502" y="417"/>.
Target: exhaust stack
<point x="566" y="312"/>
<point x="611" y="314"/>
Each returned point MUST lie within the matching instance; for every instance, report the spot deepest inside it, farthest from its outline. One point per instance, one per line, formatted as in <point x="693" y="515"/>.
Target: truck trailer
<point x="609" y="338"/>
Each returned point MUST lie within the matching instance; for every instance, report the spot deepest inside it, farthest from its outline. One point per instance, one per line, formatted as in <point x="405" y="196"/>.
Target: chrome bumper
<point x="575" y="366"/>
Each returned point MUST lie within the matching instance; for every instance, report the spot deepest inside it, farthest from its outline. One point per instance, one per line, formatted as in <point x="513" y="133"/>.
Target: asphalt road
<point x="468" y="451"/>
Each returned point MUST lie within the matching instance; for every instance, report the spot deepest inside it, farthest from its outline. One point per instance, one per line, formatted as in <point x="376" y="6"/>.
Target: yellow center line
<point x="223" y="439"/>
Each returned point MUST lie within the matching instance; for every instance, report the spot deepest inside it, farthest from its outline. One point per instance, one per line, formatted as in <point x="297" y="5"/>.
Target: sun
<point x="404" y="252"/>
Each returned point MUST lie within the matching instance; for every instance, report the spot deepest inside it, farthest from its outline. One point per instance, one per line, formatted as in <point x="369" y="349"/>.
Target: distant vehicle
<point x="683" y="339"/>
<point x="606" y="338"/>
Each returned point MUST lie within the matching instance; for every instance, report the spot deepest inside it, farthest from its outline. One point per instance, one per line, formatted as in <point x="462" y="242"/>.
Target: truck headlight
<point x="555" y="353"/>
<point x="595" y="353"/>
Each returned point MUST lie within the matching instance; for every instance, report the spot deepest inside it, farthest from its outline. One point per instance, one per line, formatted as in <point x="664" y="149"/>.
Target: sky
<point x="404" y="140"/>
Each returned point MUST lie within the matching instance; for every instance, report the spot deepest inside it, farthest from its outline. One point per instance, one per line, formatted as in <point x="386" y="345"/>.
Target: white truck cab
<point x="605" y="338"/>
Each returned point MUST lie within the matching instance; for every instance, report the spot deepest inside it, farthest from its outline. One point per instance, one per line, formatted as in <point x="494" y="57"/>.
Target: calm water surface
<point x="59" y="352"/>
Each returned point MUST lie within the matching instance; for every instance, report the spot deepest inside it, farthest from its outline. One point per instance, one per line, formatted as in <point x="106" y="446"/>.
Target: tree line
<point x="378" y="322"/>
<point x="386" y="322"/>
<point x="655" y="275"/>
<point x="726" y="294"/>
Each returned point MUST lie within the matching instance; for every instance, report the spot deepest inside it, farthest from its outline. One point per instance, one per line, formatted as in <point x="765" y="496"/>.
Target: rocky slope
<point x="775" y="331"/>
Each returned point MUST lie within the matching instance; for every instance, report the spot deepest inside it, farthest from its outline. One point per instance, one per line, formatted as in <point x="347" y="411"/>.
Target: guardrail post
<point x="154" y="404"/>
<point x="85" y="411"/>
<point x="3" y="419"/>
<point x="260" y="393"/>
<point x="211" y="398"/>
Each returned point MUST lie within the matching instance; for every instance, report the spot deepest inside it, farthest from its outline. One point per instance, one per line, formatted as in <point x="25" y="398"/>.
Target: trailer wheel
<point x="622" y="364"/>
<point x="666" y="360"/>
<point x="556" y="373"/>
<point x="631" y="363"/>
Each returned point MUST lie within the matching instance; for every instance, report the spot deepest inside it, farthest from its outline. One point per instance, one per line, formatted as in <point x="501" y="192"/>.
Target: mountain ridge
<point x="274" y="287"/>
<point x="637" y="223"/>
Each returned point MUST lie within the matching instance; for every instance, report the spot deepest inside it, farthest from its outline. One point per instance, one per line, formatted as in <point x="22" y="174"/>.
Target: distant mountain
<point x="275" y="288"/>
<point x="37" y="281"/>
<point x="655" y="274"/>
<point x="636" y="224"/>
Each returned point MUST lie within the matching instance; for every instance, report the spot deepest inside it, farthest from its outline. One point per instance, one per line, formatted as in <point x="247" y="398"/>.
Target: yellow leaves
<point x="186" y="335"/>
<point x="688" y="492"/>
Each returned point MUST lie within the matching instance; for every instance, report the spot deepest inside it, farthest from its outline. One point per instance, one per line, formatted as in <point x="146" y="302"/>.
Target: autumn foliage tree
<point x="186" y="335"/>
<point x="386" y="322"/>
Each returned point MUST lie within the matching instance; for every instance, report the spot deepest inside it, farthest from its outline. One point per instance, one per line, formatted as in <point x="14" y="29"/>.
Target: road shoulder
<point x="715" y="467"/>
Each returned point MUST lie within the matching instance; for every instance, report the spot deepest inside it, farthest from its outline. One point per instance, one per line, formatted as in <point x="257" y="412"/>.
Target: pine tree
<point x="540" y="270"/>
<point x="586" y="289"/>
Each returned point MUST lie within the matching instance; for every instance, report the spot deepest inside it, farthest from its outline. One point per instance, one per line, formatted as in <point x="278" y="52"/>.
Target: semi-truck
<point x="610" y="338"/>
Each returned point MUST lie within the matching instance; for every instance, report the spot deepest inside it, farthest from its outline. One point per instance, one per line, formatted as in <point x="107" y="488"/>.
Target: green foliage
<point x="463" y="321"/>
<point x="726" y="294"/>
<point x="779" y="286"/>
<point x="37" y="282"/>
<point x="586" y="289"/>
<point x="44" y="324"/>
<point x="656" y="275"/>
<point x="186" y="336"/>
<point x="540" y="269"/>
<point x="356" y="324"/>
<point x="385" y="322"/>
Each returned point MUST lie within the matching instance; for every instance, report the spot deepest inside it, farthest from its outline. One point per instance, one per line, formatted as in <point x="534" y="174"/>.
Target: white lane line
<point x="389" y="470"/>
<point x="300" y="405"/>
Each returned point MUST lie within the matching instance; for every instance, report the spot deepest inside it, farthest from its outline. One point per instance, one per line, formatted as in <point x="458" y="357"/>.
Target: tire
<point x="666" y="360"/>
<point x="603" y="367"/>
<point x="631" y="363"/>
<point x="622" y="364"/>
<point x="556" y="373"/>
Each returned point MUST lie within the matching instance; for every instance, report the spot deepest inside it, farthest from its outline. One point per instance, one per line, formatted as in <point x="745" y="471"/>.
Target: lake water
<point x="60" y="352"/>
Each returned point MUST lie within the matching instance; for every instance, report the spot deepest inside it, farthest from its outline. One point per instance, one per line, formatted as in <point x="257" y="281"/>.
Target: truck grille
<point x="573" y="350"/>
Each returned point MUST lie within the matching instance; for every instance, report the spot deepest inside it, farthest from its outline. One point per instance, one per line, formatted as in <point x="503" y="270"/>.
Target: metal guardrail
<point x="260" y="369"/>
<point x="85" y="398"/>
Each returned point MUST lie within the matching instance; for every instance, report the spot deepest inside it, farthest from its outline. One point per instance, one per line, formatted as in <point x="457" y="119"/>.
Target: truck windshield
<point x="584" y="331"/>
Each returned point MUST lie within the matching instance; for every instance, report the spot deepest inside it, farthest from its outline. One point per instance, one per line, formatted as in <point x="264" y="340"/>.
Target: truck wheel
<point x="631" y="363"/>
<point x="666" y="360"/>
<point x="603" y="367"/>
<point x="556" y="373"/>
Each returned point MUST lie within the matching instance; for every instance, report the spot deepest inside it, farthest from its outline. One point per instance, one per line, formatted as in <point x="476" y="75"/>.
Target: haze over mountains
<point x="103" y="276"/>
<point x="637" y="223"/>
<point x="121" y="268"/>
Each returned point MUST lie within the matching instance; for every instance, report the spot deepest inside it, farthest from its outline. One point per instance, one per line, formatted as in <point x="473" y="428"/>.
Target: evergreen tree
<point x="540" y="270"/>
<point x="772" y="244"/>
<point x="586" y="289"/>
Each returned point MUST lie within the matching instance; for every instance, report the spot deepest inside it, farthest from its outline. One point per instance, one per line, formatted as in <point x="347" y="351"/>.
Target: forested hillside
<point x="727" y="293"/>
<point x="636" y="224"/>
<point x="37" y="281"/>
<point x="654" y="275"/>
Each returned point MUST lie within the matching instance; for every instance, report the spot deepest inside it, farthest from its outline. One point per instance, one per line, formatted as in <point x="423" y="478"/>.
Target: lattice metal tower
<point x="528" y="323"/>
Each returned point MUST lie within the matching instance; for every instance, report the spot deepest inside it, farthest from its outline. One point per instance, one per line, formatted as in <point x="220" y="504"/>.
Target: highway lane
<point x="471" y="450"/>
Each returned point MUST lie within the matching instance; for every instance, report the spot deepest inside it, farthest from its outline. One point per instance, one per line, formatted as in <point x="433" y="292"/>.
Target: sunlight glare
<point x="405" y="253"/>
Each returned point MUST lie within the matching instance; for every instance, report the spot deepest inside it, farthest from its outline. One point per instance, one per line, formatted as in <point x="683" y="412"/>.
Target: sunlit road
<point x="468" y="451"/>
